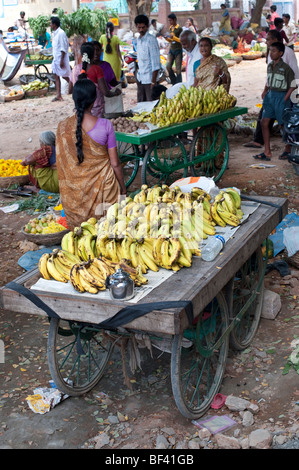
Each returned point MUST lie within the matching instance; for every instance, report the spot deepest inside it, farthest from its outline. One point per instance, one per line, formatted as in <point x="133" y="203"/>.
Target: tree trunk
<point x="77" y="42"/>
<point x="257" y="12"/>
<point x="138" y="7"/>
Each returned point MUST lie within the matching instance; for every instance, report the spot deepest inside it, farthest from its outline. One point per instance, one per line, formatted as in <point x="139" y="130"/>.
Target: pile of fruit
<point x="12" y="168"/>
<point x="15" y="93"/>
<point x="35" y="85"/>
<point x="44" y="225"/>
<point x="159" y="228"/>
<point x="127" y="125"/>
<point x="186" y="104"/>
<point x="40" y="57"/>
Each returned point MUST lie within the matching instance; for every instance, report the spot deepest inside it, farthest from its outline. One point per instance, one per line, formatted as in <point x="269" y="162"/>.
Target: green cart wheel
<point x="209" y="152"/>
<point x="129" y="156"/>
<point x="165" y="161"/>
<point x="247" y="295"/>
<point x="197" y="370"/>
<point x="72" y="372"/>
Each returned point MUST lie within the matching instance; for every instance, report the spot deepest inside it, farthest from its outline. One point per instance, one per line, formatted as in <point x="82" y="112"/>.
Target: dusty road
<point x="112" y="417"/>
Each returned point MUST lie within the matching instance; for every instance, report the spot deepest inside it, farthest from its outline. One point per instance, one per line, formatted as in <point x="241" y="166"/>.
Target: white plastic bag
<point x="291" y="240"/>
<point x="114" y="104"/>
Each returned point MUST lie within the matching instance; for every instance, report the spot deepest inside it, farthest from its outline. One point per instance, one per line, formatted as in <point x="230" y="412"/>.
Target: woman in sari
<point x="212" y="70"/>
<point x="225" y="24"/>
<point x="89" y="170"/>
<point x="42" y="164"/>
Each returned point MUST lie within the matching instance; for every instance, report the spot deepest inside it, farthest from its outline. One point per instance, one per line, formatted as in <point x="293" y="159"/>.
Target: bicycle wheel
<point x="197" y="371"/>
<point x="130" y="164"/>
<point x="72" y="372"/>
<point x="164" y="162"/>
<point x="42" y="72"/>
<point x="248" y="287"/>
<point x="209" y="152"/>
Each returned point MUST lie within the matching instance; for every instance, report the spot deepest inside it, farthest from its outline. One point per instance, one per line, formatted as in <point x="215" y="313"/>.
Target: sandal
<point x="261" y="156"/>
<point x="284" y="156"/>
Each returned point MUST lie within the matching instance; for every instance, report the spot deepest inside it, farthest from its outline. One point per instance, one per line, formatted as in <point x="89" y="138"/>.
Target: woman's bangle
<point x="220" y="76"/>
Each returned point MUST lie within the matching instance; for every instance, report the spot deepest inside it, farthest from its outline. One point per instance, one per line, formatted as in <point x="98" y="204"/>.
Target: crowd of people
<point x="84" y="156"/>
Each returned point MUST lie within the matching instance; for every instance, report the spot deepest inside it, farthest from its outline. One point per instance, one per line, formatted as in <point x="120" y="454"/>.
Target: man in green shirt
<point x="175" y="54"/>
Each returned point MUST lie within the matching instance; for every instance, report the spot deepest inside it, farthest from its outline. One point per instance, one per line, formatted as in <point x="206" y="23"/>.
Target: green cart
<point x="41" y="70"/>
<point x="166" y="154"/>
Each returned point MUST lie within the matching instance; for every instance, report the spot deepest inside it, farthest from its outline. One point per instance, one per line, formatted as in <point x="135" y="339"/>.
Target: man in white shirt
<point x="60" y="64"/>
<point x="148" y="56"/>
<point x="190" y="45"/>
<point x="289" y="58"/>
<point x="289" y="29"/>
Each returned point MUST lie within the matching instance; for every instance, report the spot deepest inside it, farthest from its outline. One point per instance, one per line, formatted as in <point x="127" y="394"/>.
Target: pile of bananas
<point x="88" y="276"/>
<point x="35" y="85"/>
<point x="188" y="104"/>
<point x="40" y="57"/>
<point x="160" y="227"/>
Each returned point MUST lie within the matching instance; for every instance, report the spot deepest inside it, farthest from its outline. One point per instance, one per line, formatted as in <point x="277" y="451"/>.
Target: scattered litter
<point x="260" y="166"/>
<point x="45" y="398"/>
<point x="215" y="424"/>
<point x="11" y="208"/>
<point x="219" y="401"/>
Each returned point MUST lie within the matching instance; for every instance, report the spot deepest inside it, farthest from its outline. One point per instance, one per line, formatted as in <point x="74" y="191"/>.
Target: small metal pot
<point x="120" y="285"/>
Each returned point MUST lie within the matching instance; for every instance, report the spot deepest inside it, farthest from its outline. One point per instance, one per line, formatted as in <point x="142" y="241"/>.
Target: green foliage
<point x="39" y="25"/>
<point x="82" y="21"/>
<point x="85" y="21"/>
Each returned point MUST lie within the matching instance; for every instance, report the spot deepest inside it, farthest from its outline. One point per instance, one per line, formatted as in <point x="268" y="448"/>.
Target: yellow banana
<point x="89" y="227"/>
<point x="215" y="216"/>
<point x="140" y="260"/>
<point x="75" y="278"/>
<point x="175" y="250"/>
<point x="185" y="250"/>
<point x="52" y="270"/>
<point x="147" y="260"/>
<point x="236" y="196"/>
<point x="102" y="266"/>
<point x="86" y="285"/>
<point x="42" y="265"/>
<point x="68" y="259"/>
<point x="61" y="268"/>
<point x="157" y="249"/>
<point x="165" y="255"/>
<point x="88" y="276"/>
<point x="133" y="254"/>
<point x="230" y="202"/>
<point x="101" y="245"/>
<point x="71" y="243"/>
<point x="64" y="241"/>
<point x="229" y="218"/>
<point x="81" y="249"/>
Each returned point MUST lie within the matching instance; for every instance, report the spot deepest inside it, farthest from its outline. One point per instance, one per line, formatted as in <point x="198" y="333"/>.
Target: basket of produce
<point x="45" y="230"/>
<point x="236" y="57"/>
<point x="14" y="95"/>
<point x="25" y="79"/>
<point x="36" y="88"/>
<point x="252" y="55"/>
<point x="12" y="172"/>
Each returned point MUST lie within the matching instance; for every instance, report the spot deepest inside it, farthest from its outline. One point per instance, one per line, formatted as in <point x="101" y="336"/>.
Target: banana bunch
<point x="159" y="227"/>
<point x="57" y="265"/>
<point x="91" y="276"/>
<point x="81" y="242"/>
<point x="35" y="85"/>
<point x="190" y="103"/>
<point x="226" y="208"/>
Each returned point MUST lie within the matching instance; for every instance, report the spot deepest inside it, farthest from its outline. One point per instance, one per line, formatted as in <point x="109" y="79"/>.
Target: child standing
<point x="276" y="97"/>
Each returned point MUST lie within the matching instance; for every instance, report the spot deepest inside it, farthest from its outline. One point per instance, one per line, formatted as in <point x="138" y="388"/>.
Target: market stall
<point x="177" y="134"/>
<point x="206" y="307"/>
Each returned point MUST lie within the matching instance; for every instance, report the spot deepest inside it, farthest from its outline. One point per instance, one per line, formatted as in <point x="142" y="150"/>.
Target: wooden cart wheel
<point x="247" y="286"/>
<point x="74" y="373"/>
<point x="209" y="152"/>
<point x="129" y="156"/>
<point x="42" y="72"/>
<point x="197" y="371"/>
<point x="165" y="161"/>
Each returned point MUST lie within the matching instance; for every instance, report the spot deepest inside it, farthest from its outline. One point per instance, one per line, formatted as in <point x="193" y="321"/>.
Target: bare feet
<point x="57" y="98"/>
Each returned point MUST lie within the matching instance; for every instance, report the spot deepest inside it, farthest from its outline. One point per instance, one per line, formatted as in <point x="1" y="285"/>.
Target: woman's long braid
<point x="79" y="142"/>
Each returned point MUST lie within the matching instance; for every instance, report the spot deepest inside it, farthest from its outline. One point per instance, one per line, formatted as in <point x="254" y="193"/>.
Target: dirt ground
<point x="112" y="417"/>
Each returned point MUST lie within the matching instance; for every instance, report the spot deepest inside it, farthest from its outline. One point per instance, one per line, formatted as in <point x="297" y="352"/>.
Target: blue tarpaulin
<point x="290" y="220"/>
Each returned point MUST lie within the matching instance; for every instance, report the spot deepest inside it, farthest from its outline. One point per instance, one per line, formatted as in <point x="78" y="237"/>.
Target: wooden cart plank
<point x="199" y="283"/>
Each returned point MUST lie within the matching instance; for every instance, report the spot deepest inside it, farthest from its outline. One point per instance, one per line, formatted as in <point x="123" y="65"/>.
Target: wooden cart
<point x="226" y="294"/>
<point x="168" y="153"/>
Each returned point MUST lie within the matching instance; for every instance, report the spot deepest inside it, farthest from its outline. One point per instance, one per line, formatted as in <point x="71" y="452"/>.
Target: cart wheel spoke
<point x="247" y="288"/>
<point x="129" y="156"/>
<point x="209" y="152"/>
<point x="76" y="372"/>
<point x="197" y="370"/>
<point x="164" y="162"/>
